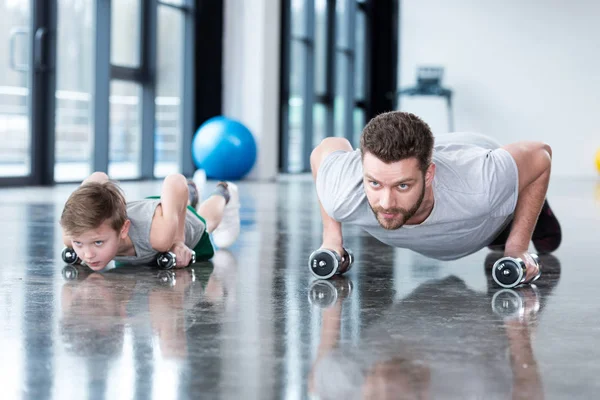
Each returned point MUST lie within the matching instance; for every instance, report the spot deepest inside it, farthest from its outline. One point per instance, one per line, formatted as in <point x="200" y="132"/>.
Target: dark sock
<point x="222" y="190"/>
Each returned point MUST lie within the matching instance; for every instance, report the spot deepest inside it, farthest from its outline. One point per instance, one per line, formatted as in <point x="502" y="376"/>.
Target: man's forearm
<point x="332" y="229"/>
<point x="529" y="204"/>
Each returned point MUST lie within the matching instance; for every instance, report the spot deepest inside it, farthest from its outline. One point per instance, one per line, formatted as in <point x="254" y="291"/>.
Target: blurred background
<point x="123" y="85"/>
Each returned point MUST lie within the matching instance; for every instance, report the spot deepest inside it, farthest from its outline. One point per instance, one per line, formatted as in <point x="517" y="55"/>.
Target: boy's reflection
<point x="96" y="305"/>
<point x="444" y="340"/>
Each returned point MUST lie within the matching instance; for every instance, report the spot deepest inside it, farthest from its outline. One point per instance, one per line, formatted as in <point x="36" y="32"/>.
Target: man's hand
<point x="338" y="247"/>
<point x="183" y="254"/>
<point x="532" y="267"/>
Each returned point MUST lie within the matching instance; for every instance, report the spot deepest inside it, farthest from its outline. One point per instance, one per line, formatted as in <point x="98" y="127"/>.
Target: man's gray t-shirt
<point x="140" y="213"/>
<point x="475" y="189"/>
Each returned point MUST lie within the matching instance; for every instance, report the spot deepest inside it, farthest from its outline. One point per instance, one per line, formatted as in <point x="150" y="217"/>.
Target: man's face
<point x="97" y="247"/>
<point x="394" y="191"/>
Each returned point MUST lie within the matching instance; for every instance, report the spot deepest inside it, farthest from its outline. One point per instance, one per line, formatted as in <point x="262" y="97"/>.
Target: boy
<point x="100" y="226"/>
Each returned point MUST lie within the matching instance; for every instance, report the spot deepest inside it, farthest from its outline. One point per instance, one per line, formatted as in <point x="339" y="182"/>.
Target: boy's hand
<point x="183" y="254"/>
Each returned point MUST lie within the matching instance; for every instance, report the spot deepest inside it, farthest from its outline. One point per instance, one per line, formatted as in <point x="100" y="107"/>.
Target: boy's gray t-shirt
<point x="140" y="213"/>
<point x="475" y="190"/>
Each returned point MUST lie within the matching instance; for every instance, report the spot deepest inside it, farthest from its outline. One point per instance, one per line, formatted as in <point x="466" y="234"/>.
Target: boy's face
<point x="97" y="247"/>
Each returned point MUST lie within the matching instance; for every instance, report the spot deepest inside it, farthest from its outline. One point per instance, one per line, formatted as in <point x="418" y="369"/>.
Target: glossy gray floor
<point x="254" y="325"/>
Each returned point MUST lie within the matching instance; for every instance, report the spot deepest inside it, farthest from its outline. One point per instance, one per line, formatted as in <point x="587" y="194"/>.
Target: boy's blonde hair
<point x="92" y="204"/>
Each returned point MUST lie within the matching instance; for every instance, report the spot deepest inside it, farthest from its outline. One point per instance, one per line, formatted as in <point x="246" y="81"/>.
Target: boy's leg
<point x="222" y="214"/>
<point x="212" y="210"/>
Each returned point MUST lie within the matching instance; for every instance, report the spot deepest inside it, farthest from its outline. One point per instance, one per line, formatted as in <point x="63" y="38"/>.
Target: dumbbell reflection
<point x="325" y="293"/>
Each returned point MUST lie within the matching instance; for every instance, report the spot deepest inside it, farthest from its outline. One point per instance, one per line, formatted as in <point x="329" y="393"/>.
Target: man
<point x="445" y="199"/>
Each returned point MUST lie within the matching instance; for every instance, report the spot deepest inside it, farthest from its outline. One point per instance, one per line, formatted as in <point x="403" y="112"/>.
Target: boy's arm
<point x="168" y="224"/>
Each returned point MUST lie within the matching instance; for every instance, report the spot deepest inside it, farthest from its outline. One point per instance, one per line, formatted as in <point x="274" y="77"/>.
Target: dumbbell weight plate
<point x="508" y="272"/>
<point x="323" y="263"/>
<point x="351" y="259"/>
<point x="166" y="261"/>
<point x="322" y="293"/>
<point x="70" y="256"/>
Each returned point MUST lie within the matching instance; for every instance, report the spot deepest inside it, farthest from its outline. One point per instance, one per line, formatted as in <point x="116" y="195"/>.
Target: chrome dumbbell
<point x="509" y="272"/>
<point x="325" y="263"/>
<point x="168" y="260"/>
<point x="325" y="293"/>
<point x="70" y="256"/>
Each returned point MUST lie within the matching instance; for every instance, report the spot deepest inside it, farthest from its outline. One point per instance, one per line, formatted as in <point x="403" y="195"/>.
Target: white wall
<point x="519" y="69"/>
<point x="251" y="76"/>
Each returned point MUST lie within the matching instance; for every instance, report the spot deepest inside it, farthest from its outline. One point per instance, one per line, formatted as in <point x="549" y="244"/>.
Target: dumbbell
<point x="169" y="279"/>
<point x="325" y="263"/>
<point x="70" y="256"/>
<point x="509" y="272"/>
<point x="168" y="260"/>
<point x="512" y="304"/>
<point x="325" y="293"/>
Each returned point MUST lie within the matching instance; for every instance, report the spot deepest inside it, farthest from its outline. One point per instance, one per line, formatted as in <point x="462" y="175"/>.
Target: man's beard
<point x="400" y="220"/>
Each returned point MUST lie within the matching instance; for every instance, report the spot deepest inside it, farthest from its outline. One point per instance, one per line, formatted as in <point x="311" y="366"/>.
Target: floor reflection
<point x="254" y="324"/>
<point x="443" y="340"/>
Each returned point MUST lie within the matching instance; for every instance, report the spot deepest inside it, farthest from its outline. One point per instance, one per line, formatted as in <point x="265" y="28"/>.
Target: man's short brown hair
<point x="395" y="136"/>
<point x="92" y="204"/>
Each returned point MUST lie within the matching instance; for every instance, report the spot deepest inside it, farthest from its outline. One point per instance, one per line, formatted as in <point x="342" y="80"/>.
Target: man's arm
<point x="533" y="161"/>
<point x="332" y="229"/>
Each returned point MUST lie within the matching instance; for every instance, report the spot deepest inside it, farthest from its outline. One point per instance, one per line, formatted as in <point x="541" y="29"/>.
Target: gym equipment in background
<point x="429" y="83"/>
<point x="224" y="148"/>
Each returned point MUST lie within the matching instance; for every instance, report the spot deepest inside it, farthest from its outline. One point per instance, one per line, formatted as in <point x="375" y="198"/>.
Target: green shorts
<point x="204" y="249"/>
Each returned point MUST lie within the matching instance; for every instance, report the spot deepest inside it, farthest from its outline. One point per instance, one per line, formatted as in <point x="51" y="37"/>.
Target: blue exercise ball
<point x="224" y="148"/>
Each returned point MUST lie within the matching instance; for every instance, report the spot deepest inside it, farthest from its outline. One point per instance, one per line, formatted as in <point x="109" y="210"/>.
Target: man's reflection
<point x="444" y="340"/>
